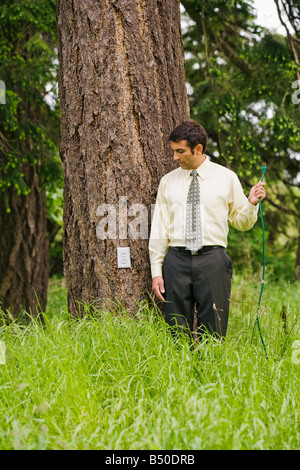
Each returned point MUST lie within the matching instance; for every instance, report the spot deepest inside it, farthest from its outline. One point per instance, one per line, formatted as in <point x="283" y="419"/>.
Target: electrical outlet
<point x="124" y="257"/>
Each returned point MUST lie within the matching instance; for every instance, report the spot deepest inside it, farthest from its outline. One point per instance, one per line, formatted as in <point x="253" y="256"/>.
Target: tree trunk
<point x="297" y="265"/>
<point x="122" y="90"/>
<point x="24" y="248"/>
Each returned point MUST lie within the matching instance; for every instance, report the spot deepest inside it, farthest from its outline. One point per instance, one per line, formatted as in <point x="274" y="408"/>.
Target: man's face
<point x="184" y="156"/>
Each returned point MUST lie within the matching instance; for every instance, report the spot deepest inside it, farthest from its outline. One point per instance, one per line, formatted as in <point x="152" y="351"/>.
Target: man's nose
<point x="176" y="157"/>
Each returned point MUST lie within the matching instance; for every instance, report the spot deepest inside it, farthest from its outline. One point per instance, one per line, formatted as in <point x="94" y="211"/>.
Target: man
<point x="189" y="264"/>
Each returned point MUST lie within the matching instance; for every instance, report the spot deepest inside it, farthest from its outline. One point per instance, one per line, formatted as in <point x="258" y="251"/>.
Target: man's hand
<point x="257" y="192"/>
<point x="158" y="287"/>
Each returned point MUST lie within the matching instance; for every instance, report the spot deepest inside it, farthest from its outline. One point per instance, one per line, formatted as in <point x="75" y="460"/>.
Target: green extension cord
<point x="263" y="170"/>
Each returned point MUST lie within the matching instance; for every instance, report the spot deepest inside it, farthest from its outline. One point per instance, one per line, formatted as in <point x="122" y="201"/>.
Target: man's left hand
<point x="257" y="192"/>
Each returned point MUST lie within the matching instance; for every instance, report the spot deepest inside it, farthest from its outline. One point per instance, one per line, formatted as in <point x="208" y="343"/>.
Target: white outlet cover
<point x="124" y="257"/>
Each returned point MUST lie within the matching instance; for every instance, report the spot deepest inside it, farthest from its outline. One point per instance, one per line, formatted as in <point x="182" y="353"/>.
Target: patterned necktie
<point x="193" y="238"/>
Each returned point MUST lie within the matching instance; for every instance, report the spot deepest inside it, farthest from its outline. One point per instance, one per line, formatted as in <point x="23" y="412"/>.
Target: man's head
<point x="192" y="132"/>
<point x="189" y="141"/>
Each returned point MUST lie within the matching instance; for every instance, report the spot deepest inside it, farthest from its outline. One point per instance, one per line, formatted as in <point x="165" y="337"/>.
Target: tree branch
<point x="224" y="46"/>
<point x="291" y="39"/>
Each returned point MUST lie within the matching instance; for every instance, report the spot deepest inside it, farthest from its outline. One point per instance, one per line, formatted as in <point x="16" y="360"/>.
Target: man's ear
<point x="199" y="148"/>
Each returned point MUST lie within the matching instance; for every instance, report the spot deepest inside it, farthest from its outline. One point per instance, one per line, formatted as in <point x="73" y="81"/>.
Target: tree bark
<point x="24" y="256"/>
<point x="122" y="90"/>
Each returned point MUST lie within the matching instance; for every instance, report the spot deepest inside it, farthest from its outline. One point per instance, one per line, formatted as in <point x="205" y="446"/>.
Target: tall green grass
<point x="109" y="381"/>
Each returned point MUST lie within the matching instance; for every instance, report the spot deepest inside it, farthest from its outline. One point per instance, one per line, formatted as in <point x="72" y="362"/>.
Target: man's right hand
<point x="158" y="287"/>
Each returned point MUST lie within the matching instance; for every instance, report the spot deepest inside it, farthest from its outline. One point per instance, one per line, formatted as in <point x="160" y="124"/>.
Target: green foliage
<point x="29" y="121"/>
<point x="108" y="381"/>
<point x="245" y="250"/>
<point x="29" y="125"/>
<point x="55" y="227"/>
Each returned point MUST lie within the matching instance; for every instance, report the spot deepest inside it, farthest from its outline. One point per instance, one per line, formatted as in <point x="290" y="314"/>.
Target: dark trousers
<point x="198" y="282"/>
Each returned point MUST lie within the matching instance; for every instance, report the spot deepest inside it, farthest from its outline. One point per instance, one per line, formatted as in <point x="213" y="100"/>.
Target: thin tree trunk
<point x="297" y="266"/>
<point x="24" y="256"/>
<point x="122" y="90"/>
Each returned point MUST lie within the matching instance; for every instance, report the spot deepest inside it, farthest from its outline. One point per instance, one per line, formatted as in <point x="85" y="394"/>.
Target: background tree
<point x="29" y="129"/>
<point x="122" y="89"/>
<point x="241" y="77"/>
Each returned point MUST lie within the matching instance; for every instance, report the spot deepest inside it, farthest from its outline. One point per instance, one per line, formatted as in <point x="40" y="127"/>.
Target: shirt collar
<point x="201" y="170"/>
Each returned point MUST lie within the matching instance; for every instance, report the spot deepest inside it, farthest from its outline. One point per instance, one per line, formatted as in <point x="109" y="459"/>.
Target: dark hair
<point x="192" y="132"/>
